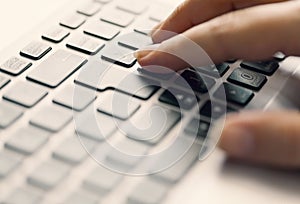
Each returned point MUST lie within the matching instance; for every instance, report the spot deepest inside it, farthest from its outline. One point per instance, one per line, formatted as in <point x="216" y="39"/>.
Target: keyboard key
<point x="178" y="98"/>
<point x="25" y="94"/>
<point x="160" y="13"/>
<point x="119" y="55"/>
<point x="27" y="140"/>
<point x="216" y="111"/>
<point x="24" y="196"/>
<point x="118" y="105"/>
<point x="85" y="44"/>
<point x="264" y="67"/>
<point x="132" y="6"/>
<point x="52" y="118"/>
<point x="9" y="114"/>
<point x="101" y="181"/>
<point x="78" y="100"/>
<point x="89" y="9"/>
<point x="3" y="81"/>
<point x="148" y="192"/>
<point x="279" y="56"/>
<point x="234" y="94"/>
<point x="73" y="21"/>
<point x="103" y="1"/>
<point x="158" y="76"/>
<point x="102" y="30"/>
<point x="145" y="27"/>
<point x="56" y="34"/>
<point x="95" y="126"/>
<point x="135" y="40"/>
<point x="35" y="50"/>
<point x="80" y="197"/>
<point x="215" y="70"/>
<point x="247" y="79"/>
<point x="198" y="128"/>
<point x="57" y="68"/>
<point x="153" y="125"/>
<point x="116" y="78"/>
<point x="15" y="66"/>
<point x="117" y="17"/>
<point x="8" y="163"/>
<point x="198" y="83"/>
<point x="127" y="153"/>
<point x="48" y="175"/>
<point x="74" y="150"/>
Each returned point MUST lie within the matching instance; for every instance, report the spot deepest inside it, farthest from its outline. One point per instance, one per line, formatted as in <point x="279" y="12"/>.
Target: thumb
<point x="271" y="139"/>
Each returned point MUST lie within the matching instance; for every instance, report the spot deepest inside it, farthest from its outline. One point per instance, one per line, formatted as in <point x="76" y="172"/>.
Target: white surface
<point x="212" y="181"/>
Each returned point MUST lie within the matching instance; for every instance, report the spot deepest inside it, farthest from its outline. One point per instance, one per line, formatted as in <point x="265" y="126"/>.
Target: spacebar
<point x="57" y="68"/>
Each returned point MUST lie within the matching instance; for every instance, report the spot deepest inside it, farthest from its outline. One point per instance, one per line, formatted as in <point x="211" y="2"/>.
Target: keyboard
<point x="75" y="124"/>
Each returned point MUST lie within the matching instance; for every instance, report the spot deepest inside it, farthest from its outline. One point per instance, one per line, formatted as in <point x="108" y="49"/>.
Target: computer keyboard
<point x="47" y="84"/>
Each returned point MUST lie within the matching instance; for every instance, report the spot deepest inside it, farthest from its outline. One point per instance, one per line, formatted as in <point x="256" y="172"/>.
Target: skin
<point x="240" y="29"/>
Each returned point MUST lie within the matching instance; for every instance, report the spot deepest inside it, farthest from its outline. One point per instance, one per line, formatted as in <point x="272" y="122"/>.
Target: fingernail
<point x="237" y="141"/>
<point x="141" y="54"/>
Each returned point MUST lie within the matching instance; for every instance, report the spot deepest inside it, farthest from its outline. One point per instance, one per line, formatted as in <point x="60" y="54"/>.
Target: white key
<point x="145" y="27"/>
<point x="55" y="34"/>
<point x="15" y="66"/>
<point x="73" y="21"/>
<point x="80" y="197"/>
<point x="35" y="50"/>
<point x="9" y="114"/>
<point x="23" y="196"/>
<point x="85" y="44"/>
<point x="8" y="162"/>
<point x="132" y="6"/>
<point x="89" y="9"/>
<point x="49" y="174"/>
<point x="116" y="17"/>
<point x="102" y="30"/>
<point x="135" y="40"/>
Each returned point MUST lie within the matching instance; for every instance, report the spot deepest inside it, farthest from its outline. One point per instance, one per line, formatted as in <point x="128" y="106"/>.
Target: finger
<point x="271" y="139"/>
<point x="194" y="12"/>
<point x="251" y="34"/>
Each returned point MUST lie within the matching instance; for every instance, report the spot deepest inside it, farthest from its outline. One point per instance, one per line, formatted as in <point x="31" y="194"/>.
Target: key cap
<point x="95" y="126"/>
<point x="55" y="34"/>
<point x="234" y="94"/>
<point x="190" y="79"/>
<point x="48" y="175"/>
<point x="115" y="78"/>
<point x="159" y="76"/>
<point x="178" y="98"/>
<point x="9" y="114"/>
<point x="127" y="152"/>
<point x="103" y="1"/>
<point x="118" y="105"/>
<point x="57" y="68"/>
<point x="52" y="118"/>
<point x="101" y="180"/>
<point x="119" y="55"/>
<point x="132" y="6"/>
<point x="117" y="17"/>
<point x="102" y="30"/>
<point x="280" y="56"/>
<point x="148" y="192"/>
<point x="247" y="79"/>
<point x="160" y="13"/>
<point x="135" y="40"/>
<point x="15" y="66"/>
<point x="25" y="94"/>
<point x="214" y="70"/>
<point x="78" y="100"/>
<point x="3" y="81"/>
<point x="73" y="21"/>
<point x="151" y="128"/>
<point x="216" y="111"/>
<point x="85" y="44"/>
<point x="145" y="27"/>
<point x="74" y="150"/>
<point x="27" y="140"/>
<point x="176" y="172"/>
<point x="24" y="196"/>
<point x="80" y="197"/>
<point x="35" y="50"/>
<point x="89" y="9"/>
<point x="198" y="128"/>
<point x="264" y="67"/>
<point x="8" y="163"/>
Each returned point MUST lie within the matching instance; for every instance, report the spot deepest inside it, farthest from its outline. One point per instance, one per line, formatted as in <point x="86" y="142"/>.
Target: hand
<point x="240" y="29"/>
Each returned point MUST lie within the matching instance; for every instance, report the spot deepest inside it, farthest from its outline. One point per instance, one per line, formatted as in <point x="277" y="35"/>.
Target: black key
<point x="198" y="128"/>
<point x="57" y="68"/>
<point x="235" y="94"/>
<point x="216" y="111"/>
<point x="15" y="66"/>
<point x="247" y="79"/>
<point x="178" y="98"/>
<point x="214" y="70"/>
<point x="35" y="50"/>
<point x="265" y="67"/>
<point x="197" y="82"/>
<point x="119" y="55"/>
